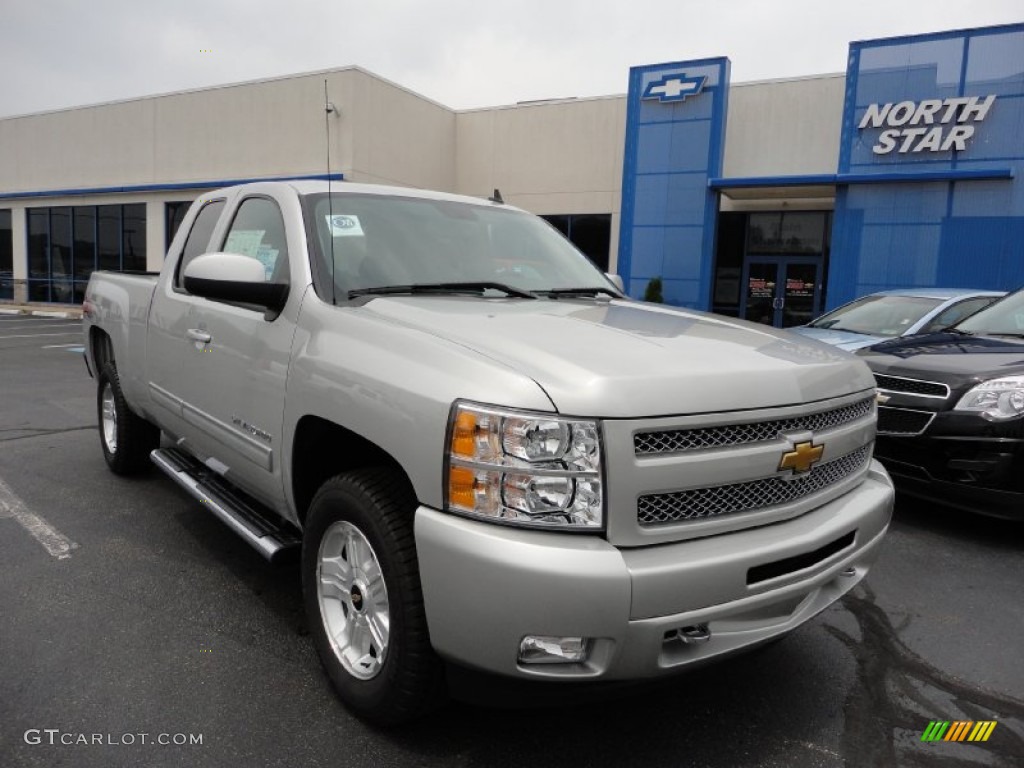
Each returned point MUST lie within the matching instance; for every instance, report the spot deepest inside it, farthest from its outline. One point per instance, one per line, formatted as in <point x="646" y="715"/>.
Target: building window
<point x="6" y="256"/>
<point x="786" y="232"/>
<point x="174" y="214"/>
<point x="590" y="232"/>
<point x="66" y="244"/>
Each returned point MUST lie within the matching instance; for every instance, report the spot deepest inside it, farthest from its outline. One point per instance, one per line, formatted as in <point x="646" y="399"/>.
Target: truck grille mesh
<point x="696" y="503"/>
<point x="678" y="440"/>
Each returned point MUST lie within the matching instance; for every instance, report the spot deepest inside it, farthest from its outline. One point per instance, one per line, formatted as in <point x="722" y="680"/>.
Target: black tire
<point x="379" y="504"/>
<point x="132" y="438"/>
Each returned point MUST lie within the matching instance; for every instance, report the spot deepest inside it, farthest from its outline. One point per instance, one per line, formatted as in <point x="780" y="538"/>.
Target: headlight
<point x="532" y="469"/>
<point x="996" y="400"/>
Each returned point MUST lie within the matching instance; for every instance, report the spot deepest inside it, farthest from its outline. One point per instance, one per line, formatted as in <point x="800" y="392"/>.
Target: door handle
<point x="196" y="334"/>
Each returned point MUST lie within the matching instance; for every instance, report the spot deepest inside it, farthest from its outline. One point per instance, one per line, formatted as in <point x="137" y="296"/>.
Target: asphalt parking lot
<point x="126" y="609"/>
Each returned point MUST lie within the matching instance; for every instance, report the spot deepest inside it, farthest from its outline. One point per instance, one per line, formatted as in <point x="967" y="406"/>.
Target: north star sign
<point x="674" y="88"/>
<point x="935" y="125"/>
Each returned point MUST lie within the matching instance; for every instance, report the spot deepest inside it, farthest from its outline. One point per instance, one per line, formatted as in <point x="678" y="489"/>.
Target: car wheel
<point x="363" y="600"/>
<point x="127" y="439"/>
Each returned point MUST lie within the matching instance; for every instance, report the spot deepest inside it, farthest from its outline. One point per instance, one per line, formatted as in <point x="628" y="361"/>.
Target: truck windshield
<point x="388" y="241"/>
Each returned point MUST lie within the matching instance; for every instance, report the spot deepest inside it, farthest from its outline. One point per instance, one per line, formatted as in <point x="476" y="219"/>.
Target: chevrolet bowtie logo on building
<point x="958" y="730"/>
<point x="801" y="458"/>
<point x="674" y="88"/>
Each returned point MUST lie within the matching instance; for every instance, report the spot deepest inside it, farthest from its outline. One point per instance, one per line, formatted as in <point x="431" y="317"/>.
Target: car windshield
<point x="878" y="315"/>
<point x="1004" y="318"/>
<point x="372" y="243"/>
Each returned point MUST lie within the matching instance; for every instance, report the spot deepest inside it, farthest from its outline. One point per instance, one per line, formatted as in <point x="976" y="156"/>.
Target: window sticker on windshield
<point x="344" y="225"/>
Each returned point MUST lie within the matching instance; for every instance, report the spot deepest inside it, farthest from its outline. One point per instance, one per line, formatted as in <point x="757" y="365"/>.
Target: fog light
<point x="541" y="649"/>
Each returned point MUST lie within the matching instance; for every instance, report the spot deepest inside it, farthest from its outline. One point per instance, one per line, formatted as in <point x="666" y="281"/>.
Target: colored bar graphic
<point x="958" y="730"/>
<point x="935" y="730"/>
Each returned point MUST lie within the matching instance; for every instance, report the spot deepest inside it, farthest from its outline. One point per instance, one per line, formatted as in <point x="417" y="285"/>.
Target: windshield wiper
<point x="843" y="330"/>
<point x="442" y="288"/>
<point x="554" y="293"/>
<point x="1009" y="334"/>
<point x="956" y="331"/>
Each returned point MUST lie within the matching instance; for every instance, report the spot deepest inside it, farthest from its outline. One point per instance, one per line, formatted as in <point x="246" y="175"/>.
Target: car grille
<point x="903" y="421"/>
<point x="698" y="503"/>
<point x="911" y="386"/>
<point x="678" y="440"/>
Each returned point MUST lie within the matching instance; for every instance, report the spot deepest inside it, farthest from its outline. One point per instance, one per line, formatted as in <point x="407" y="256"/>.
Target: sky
<point x="62" y="53"/>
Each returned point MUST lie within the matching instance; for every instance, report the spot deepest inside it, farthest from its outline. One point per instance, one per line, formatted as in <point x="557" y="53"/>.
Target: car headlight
<point x="995" y="400"/>
<point x="531" y="469"/>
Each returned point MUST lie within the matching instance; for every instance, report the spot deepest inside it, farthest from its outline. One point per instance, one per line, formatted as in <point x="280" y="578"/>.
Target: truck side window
<point x="258" y="231"/>
<point x="199" y="236"/>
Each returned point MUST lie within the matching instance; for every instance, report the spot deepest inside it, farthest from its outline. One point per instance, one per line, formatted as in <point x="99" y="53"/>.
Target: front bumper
<point x="978" y="474"/>
<point x="487" y="586"/>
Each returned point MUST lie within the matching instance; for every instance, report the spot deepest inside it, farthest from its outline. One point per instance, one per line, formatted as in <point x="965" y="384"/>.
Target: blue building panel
<point x="949" y="105"/>
<point x="673" y="147"/>
<point x="668" y="199"/>
<point x="675" y="134"/>
<point x="667" y="251"/>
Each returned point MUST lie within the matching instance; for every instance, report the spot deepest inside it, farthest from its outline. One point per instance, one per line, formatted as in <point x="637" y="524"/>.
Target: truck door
<point x="237" y="361"/>
<point x="167" y="334"/>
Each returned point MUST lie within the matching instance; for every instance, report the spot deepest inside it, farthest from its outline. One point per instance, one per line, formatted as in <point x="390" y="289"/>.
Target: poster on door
<point x="798" y="289"/>
<point x="759" y="288"/>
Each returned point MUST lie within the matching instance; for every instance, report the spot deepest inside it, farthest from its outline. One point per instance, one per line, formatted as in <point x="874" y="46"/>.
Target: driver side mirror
<point x="233" y="277"/>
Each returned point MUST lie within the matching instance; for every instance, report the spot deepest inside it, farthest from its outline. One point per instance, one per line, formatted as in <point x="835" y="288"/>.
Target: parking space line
<point x="56" y="543"/>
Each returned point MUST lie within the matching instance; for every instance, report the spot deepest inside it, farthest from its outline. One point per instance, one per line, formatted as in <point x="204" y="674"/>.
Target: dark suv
<point x="951" y="411"/>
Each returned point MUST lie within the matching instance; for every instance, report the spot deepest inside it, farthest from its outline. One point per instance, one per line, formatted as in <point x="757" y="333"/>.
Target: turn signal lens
<point x="460" y="487"/>
<point x="464" y="434"/>
<point x="536" y="469"/>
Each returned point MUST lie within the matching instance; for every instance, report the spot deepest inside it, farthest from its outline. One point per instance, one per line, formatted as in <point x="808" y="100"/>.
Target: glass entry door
<point x="781" y="290"/>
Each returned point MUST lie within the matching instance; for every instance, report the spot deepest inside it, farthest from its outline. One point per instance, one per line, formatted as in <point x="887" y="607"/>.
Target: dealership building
<point x="768" y="200"/>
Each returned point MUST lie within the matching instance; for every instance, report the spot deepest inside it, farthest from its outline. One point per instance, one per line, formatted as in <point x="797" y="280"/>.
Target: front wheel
<point x="126" y="438"/>
<point x="363" y="600"/>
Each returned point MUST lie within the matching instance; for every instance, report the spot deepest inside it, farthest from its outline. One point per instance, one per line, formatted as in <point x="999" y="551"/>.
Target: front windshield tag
<point x="344" y="225"/>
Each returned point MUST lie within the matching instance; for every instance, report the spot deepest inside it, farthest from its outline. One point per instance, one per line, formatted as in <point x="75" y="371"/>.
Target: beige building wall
<point x="784" y="127"/>
<point x="381" y="132"/>
<point x="549" y="157"/>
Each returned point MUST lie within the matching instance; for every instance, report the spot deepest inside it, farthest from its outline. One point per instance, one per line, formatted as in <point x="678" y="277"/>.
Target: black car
<point x="951" y="411"/>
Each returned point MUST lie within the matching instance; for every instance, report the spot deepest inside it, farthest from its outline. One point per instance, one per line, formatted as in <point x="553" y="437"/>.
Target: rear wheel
<point x="363" y="599"/>
<point x="126" y="438"/>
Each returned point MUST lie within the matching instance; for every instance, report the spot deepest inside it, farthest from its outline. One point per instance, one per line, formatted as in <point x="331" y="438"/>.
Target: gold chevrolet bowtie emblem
<point x="801" y="457"/>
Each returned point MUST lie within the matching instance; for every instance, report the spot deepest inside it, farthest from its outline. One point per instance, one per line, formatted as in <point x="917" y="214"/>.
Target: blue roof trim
<point x="214" y="184"/>
<point x="962" y="174"/>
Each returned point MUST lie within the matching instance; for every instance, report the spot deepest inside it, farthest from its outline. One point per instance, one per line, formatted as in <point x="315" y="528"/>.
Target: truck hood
<point x="629" y="359"/>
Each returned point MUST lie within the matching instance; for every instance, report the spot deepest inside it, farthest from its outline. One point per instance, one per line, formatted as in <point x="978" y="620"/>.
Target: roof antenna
<point x="328" y="109"/>
<point x="496" y="197"/>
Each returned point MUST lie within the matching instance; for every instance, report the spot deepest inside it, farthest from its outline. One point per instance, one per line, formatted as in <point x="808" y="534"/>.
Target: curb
<point x="66" y="314"/>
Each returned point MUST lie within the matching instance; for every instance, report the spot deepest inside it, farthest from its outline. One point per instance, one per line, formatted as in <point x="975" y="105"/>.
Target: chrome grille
<point x="911" y="386"/>
<point x="678" y="440"/>
<point x="697" y="503"/>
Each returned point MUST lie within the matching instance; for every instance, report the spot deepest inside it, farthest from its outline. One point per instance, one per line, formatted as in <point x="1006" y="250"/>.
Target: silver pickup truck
<point x="484" y="454"/>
